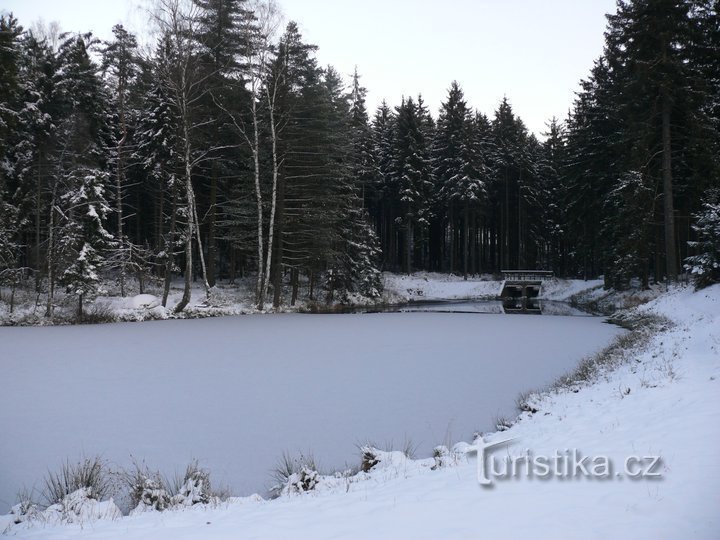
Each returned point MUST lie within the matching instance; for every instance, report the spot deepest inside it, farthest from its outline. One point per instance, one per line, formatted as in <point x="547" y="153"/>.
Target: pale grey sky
<point x="533" y="51"/>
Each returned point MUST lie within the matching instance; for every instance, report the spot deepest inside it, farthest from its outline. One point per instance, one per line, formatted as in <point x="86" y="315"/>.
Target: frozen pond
<point x="236" y="392"/>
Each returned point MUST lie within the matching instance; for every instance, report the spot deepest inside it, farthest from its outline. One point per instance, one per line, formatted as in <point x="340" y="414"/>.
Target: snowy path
<point x="237" y="392"/>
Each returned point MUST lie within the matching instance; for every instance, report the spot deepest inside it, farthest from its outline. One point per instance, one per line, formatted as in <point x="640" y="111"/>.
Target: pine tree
<point x="10" y="96"/>
<point x="225" y="34"/>
<point x="552" y="199"/>
<point x="705" y="263"/>
<point x="652" y="53"/>
<point x="79" y="164"/>
<point x="458" y="166"/>
<point x="363" y="162"/>
<point x="412" y="175"/>
<point x="122" y="65"/>
<point x="183" y="73"/>
<point x="83" y="240"/>
<point x="158" y="155"/>
<point x="382" y="206"/>
<point x="628" y="229"/>
<point x="509" y="138"/>
<point x="9" y="84"/>
<point x="593" y="163"/>
<point x="33" y="146"/>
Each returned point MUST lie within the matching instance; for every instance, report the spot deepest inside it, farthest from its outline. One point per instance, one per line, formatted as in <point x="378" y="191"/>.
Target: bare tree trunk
<point x="38" y="205"/>
<point x="274" y="201"/>
<point x="474" y="270"/>
<point x="118" y="191"/>
<point x="51" y="252"/>
<point x="312" y="286"/>
<point x="451" y="247"/>
<point x="408" y="244"/>
<point x="260" y="287"/>
<point x="279" y="226"/>
<point x="212" y="241"/>
<point x="506" y="225"/>
<point x="466" y="239"/>
<point x="668" y="202"/>
<point x="190" y="211"/>
<point x="170" y="247"/>
<point x="520" y="249"/>
<point x="203" y="267"/>
<point x="294" y="279"/>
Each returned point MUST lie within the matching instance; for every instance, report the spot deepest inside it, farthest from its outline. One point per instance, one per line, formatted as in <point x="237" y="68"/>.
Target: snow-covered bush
<point x="295" y="475"/>
<point x="99" y="313"/>
<point x="89" y="476"/>
<point x="705" y="264"/>
<point x="193" y="488"/>
<point x="527" y="402"/>
<point x="80" y="507"/>
<point x="147" y="491"/>
<point x="306" y="479"/>
<point x="24" y="510"/>
<point x="369" y="457"/>
<point x="503" y="423"/>
<point x="441" y="455"/>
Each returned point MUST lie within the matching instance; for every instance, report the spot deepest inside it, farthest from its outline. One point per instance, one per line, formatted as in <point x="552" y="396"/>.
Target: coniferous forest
<point x="228" y="152"/>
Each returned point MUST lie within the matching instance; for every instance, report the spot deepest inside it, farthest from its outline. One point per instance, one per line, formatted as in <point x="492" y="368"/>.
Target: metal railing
<point x="527" y="275"/>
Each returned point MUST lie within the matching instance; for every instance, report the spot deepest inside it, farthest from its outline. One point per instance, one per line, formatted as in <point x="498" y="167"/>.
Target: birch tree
<point x="181" y="73"/>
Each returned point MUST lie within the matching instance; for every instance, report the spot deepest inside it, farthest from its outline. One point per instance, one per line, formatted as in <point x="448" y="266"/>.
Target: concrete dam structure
<point x="521" y="290"/>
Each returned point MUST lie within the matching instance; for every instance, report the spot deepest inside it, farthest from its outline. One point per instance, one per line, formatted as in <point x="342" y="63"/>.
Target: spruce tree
<point x="412" y="176"/>
<point x="458" y="166"/>
<point x="121" y="64"/>
<point x="652" y="45"/>
<point x="83" y="240"/>
<point x="705" y="263"/>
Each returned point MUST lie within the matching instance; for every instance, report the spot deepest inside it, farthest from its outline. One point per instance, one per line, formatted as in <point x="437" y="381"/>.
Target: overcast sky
<point x="532" y="51"/>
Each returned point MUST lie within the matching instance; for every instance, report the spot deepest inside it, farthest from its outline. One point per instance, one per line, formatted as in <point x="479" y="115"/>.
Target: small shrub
<point x="368" y="458"/>
<point x="525" y="403"/>
<point x="80" y="507"/>
<point x="441" y="455"/>
<point x="295" y="475"/>
<point x="98" y="313"/>
<point x="192" y="488"/>
<point x="89" y="475"/>
<point x="147" y="490"/>
<point x="409" y="448"/>
<point x="502" y="423"/>
<point x="306" y="479"/>
<point x="25" y="509"/>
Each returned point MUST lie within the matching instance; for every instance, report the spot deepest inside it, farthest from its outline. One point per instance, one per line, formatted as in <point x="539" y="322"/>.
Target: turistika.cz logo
<point x="563" y="464"/>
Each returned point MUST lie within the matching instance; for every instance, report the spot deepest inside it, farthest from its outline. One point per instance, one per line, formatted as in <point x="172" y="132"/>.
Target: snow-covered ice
<point x="236" y="392"/>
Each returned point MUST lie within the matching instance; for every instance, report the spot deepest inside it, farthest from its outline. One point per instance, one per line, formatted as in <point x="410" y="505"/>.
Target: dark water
<point x="497" y="307"/>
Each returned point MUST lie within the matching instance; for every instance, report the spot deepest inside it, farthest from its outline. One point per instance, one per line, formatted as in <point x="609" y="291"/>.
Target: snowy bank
<point x="424" y="286"/>
<point x="238" y="299"/>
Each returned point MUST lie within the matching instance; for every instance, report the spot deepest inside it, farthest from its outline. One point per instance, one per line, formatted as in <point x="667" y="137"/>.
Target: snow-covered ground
<point x="665" y="401"/>
<point x="432" y="286"/>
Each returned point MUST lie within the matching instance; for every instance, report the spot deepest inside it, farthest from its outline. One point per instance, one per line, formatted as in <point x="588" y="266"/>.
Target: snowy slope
<point x="432" y="286"/>
<point x="665" y="401"/>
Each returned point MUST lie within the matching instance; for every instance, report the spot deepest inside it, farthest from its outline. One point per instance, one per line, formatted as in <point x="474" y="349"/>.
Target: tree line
<point x="229" y="152"/>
